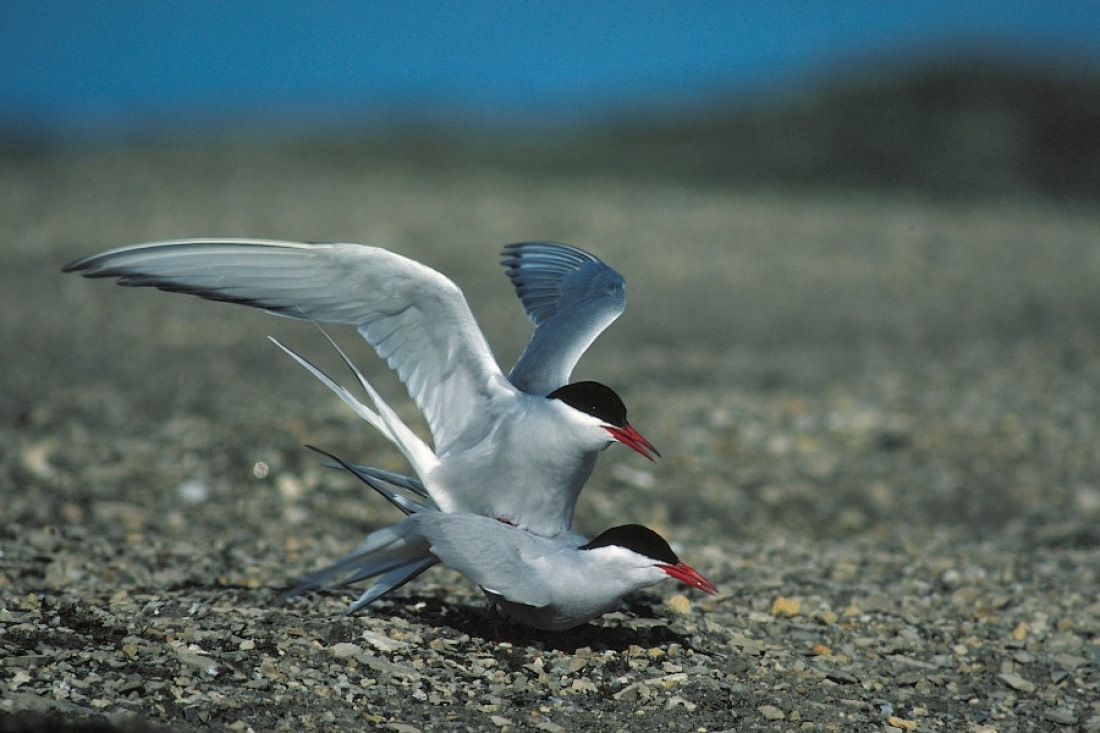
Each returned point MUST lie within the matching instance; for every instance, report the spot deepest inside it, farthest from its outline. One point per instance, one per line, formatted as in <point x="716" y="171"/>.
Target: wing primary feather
<point x="400" y="480"/>
<point x="571" y="297"/>
<point x="370" y="477"/>
<point x="415" y="450"/>
<point x="380" y="551"/>
<point x="346" y="397"/>
<point x="391" y="581"/>
<point x="385" y="420"/>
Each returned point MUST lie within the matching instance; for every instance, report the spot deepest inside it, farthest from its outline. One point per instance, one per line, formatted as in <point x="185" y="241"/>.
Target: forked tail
<point x="419" y="455"/>
<point x="394" y="553"/>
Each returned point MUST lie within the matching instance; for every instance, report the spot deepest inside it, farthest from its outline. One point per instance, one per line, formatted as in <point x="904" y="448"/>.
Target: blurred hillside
<point x="959" y="128"/>
<point x="953" y="129"/>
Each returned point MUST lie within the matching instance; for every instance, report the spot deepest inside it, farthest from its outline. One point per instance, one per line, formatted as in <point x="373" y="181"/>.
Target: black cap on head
<point x="598" y="400"/>
<point x="637" y="538"/>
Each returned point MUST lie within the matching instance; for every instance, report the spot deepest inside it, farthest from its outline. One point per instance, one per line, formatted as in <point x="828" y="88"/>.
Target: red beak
<point x="628" y="436"/>
<point x="687" y="575"/>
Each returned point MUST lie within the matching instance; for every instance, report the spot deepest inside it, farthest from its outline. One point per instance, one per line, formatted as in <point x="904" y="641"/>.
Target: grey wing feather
<point x="377" y="477"/>
<point x="394" y="553"/>
<point x="391" y="581"/>
<point x="414" y="317"/>
<point x="399" y="480"/>
<point x="571" y="297"/>
<point x="502" y="559"/>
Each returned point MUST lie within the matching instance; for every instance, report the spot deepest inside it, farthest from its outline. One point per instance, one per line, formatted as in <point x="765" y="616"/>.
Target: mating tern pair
<point x="547" y="583"/>
<point x="516" y="450"/>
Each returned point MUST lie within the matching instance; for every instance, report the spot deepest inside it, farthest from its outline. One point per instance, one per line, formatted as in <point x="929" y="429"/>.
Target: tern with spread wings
<point x="515" y="448"/>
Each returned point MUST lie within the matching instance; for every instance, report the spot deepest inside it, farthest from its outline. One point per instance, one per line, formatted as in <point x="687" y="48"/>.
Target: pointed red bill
<point x="688" y="575"/>
<point x="628" y="436"/>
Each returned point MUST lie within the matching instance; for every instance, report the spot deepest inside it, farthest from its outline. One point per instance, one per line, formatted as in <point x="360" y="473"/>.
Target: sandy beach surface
<point x="879" y="416"/>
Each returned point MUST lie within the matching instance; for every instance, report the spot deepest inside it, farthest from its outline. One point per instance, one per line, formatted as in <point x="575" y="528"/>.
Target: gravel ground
<point x="880" y="418"/>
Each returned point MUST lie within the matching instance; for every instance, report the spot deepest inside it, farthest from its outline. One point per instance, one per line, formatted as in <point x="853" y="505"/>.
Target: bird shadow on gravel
<point x="640" y="626"/>
<point x="33" y="722"/>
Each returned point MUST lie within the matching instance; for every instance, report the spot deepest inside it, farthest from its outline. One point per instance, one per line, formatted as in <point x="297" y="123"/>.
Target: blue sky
<point x="77" y="67"/>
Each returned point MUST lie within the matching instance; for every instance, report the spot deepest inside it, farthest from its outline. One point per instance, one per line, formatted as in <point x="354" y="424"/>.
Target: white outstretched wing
<point x="414" y="317"/>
